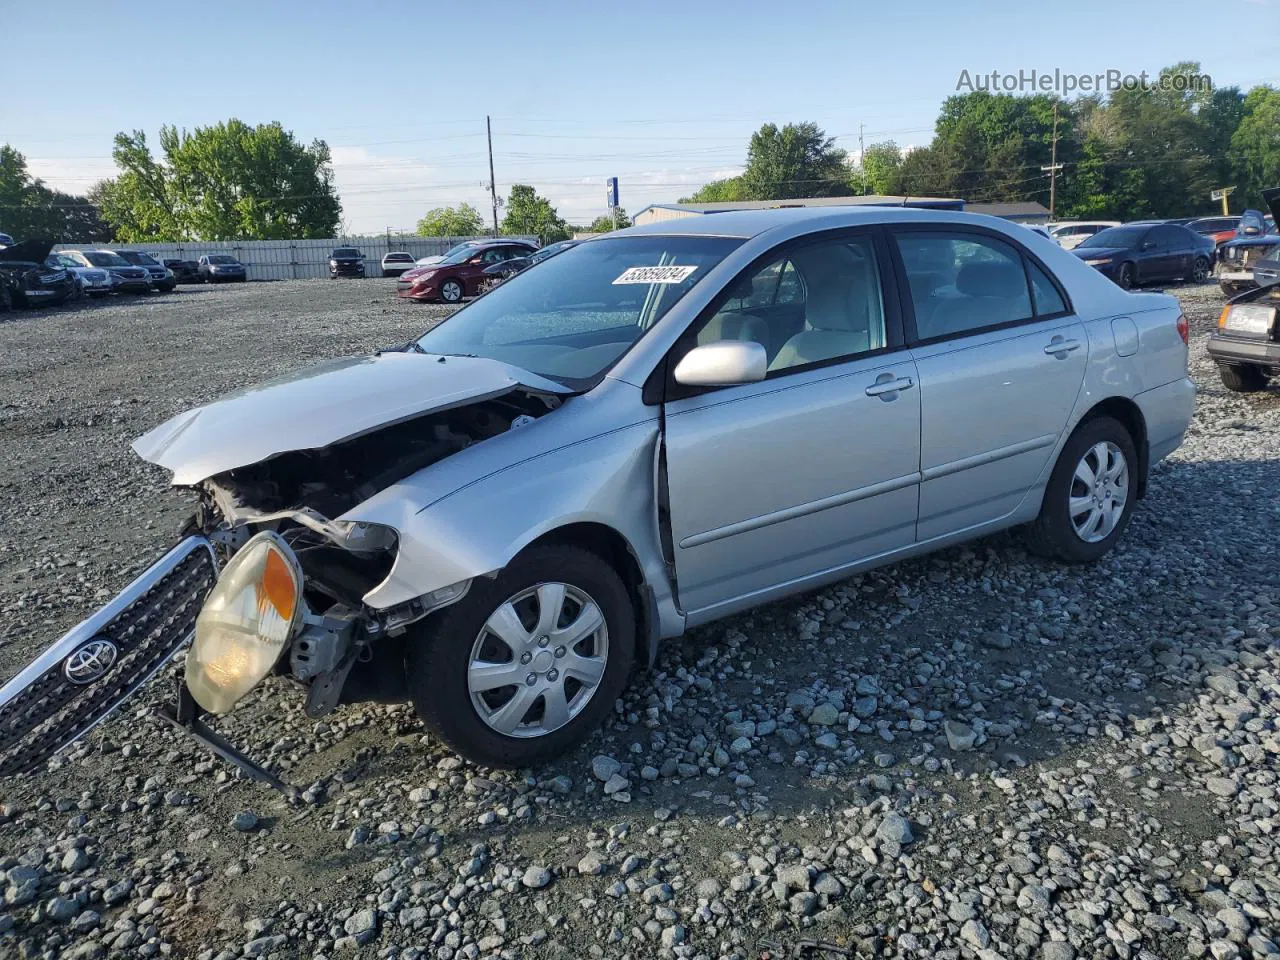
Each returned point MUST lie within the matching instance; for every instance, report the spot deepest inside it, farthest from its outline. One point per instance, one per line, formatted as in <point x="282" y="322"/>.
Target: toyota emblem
<point x="91" y="661"/>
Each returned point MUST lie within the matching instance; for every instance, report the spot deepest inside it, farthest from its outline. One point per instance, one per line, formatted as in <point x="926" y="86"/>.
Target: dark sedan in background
<point x="346" y="262"/>
<point x="1138" y="253"/>
<point x="26" y="280"/>
<point x="184" y="271"/>
<point x="162" y="277"/>
<point x="221" y="268"/>
<point x="497" y="272"/>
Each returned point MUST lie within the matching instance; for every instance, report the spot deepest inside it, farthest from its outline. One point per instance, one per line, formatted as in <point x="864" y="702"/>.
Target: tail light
<point x="1184" y="329"/>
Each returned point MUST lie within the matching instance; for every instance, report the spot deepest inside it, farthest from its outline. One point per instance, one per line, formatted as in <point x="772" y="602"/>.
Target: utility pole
<point x="862" y="150"/>
<point x="1054" y="166"/>
<point x="493" y="186"/>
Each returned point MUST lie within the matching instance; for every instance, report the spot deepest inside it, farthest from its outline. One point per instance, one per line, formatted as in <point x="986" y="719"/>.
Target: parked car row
<point x="1241" y="252"/>
<point x="33" y="274"/>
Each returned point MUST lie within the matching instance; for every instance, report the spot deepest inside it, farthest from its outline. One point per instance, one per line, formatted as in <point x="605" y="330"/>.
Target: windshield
<point x="100" y="258"/>
<point x="139" y="259"/>
<point x="1116" y="237"/>
<point x="460" y="255"/>
<point x="346" y="252"/>
<point x="574" y="316"/>
<point x="222" y="258"/>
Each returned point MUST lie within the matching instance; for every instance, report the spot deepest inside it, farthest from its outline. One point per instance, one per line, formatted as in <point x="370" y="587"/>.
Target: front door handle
<point x="887" y="384"/>
<point x="1059" y="347"/>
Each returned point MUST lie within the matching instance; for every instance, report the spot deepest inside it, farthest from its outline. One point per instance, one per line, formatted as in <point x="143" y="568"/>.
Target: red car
<point x="461" y="273"/>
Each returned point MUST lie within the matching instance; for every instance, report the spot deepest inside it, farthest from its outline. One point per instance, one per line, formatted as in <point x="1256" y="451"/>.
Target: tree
<point x="719" y="191"/>
<point x="798" y="160"/>
<point x="30" y="209"/>
<point x="528" y="213"/>
<point x="1255" y="145"/>
<point x="881" y="165"/>
<point x="606" y="222"/>
<point x="463" y="220"/>
<point x="225" y="182"/>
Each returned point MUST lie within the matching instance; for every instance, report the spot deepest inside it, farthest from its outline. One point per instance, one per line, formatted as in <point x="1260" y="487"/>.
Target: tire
<point x="452" y="291"/>
<point x="6" y="298"/>
<point x="1200" y="270"/>
<point x="1054" y="534"/>
<point x="1242" y="378"/>
<point x="440" y="654"/>
<point x="1124" y="279"/>
<point x="1229" y="289"/>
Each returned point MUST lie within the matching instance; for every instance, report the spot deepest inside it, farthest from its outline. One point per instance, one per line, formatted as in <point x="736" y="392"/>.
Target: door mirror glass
<point x="723" y="364"/>
<point x="1148" y="245"/>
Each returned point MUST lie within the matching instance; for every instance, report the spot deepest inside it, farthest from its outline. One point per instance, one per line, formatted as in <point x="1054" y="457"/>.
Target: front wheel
<point x="1200" y="270"/>
<point x="451" y="291"/>
<point x="527" y="664"/>
<point x="1242" y="378"/>
<point x="1089" y="499"/>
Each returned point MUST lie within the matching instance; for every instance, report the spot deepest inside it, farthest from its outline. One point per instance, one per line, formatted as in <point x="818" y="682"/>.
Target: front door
<point x="790" y="479"/>
<point x="1001" y="359"/>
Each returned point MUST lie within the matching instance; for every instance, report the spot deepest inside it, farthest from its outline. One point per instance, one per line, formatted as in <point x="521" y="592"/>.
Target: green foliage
<point x="528" y="213"/>
<point x="607" y="222"/>
<point x="719" y="191"/>
<point x="880" y="168"/>
<point x="798" y="160"/>
<point x="463" y="220"/>
<point x="1139" y="153"/>
<point x="225" y="182"/>
<point x="30" y="209"/>
<point x="1255" y="145"/>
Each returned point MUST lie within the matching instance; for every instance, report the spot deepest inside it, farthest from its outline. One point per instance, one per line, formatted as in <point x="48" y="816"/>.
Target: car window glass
<point x="961" y="283"/>
<point x="1048" y="299"/>
<point x="821" y="302"/>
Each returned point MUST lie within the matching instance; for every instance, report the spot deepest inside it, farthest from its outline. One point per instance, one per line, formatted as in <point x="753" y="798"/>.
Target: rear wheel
<point x="1125" y="276"/>
<point x="1089" y="499"/>
<point x="527" y="664"/>
<point x="1242" y="378"/>
<point x="1200" y="270"/>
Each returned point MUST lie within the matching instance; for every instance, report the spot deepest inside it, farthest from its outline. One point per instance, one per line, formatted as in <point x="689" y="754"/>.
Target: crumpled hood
<point x="323" y="405"/>
<point x="27" y="251"/>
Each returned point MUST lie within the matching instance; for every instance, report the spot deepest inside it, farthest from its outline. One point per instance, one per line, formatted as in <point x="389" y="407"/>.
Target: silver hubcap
<point x="452" y="291"/>
<point x="538" y="660"/>
<point x="1099" y="492"/>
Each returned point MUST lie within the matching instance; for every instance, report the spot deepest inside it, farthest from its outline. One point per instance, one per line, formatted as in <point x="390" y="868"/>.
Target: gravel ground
<point x="976" y="754"/>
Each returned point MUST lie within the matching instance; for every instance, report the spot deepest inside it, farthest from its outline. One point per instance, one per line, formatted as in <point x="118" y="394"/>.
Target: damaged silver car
<point x="660" y="427"/>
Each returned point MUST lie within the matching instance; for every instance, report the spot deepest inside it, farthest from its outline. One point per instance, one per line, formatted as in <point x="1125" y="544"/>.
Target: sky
<point x="663" y="95"/>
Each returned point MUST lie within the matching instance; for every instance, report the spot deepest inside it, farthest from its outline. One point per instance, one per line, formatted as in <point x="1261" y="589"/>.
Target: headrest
<point x="984" y="278"/>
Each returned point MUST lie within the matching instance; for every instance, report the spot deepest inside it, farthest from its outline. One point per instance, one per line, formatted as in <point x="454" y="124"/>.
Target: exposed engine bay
<point x="297" y="494"/>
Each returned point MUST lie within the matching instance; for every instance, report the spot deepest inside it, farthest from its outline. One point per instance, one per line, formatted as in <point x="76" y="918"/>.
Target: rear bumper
<point x="1167" y="411"/>
<point x="1241" y="350"/>
<point x="80" y="680"/>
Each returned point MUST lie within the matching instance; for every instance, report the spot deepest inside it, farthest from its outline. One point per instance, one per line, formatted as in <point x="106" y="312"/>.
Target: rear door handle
<point x="1058" y="347"/>
<point x="889" y="384"/>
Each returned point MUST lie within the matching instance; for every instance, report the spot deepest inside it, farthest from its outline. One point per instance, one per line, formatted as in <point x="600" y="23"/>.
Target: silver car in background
<point x="655" y="429"/>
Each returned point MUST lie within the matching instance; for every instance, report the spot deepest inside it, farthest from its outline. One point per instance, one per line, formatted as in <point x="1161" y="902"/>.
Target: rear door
<point x="1001" y="358"/>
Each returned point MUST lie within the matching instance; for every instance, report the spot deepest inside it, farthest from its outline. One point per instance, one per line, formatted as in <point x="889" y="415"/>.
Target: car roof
<point x="745" y="224"/>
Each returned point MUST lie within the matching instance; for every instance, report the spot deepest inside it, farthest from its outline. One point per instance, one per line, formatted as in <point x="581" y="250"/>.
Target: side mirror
<point x="723" y="364"/>
<point x="1148" y="245"/>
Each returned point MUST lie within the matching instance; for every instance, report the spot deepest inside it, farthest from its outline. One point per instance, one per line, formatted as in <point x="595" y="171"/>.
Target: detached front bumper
<point x="80" y="680"/>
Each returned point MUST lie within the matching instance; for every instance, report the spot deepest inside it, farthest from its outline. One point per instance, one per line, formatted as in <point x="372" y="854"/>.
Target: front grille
<point x="42" y="710"/>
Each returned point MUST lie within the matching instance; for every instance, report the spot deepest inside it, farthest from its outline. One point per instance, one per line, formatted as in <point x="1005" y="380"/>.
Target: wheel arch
<point x="1129" y="414"/>
<point x="614" y="549"/>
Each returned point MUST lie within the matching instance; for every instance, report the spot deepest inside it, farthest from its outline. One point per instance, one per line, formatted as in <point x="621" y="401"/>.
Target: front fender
<point x="478" y="529"/>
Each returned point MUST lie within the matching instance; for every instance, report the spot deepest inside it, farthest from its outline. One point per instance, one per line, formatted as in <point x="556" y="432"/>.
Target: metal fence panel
<point x="296" y="259"/>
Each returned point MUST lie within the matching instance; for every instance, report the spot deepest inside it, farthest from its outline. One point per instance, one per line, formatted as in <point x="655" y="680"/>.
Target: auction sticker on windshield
<point x="671" y="274"/>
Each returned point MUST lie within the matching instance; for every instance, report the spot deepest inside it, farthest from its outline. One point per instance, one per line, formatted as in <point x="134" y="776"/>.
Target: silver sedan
<point x="657" y="428"/>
